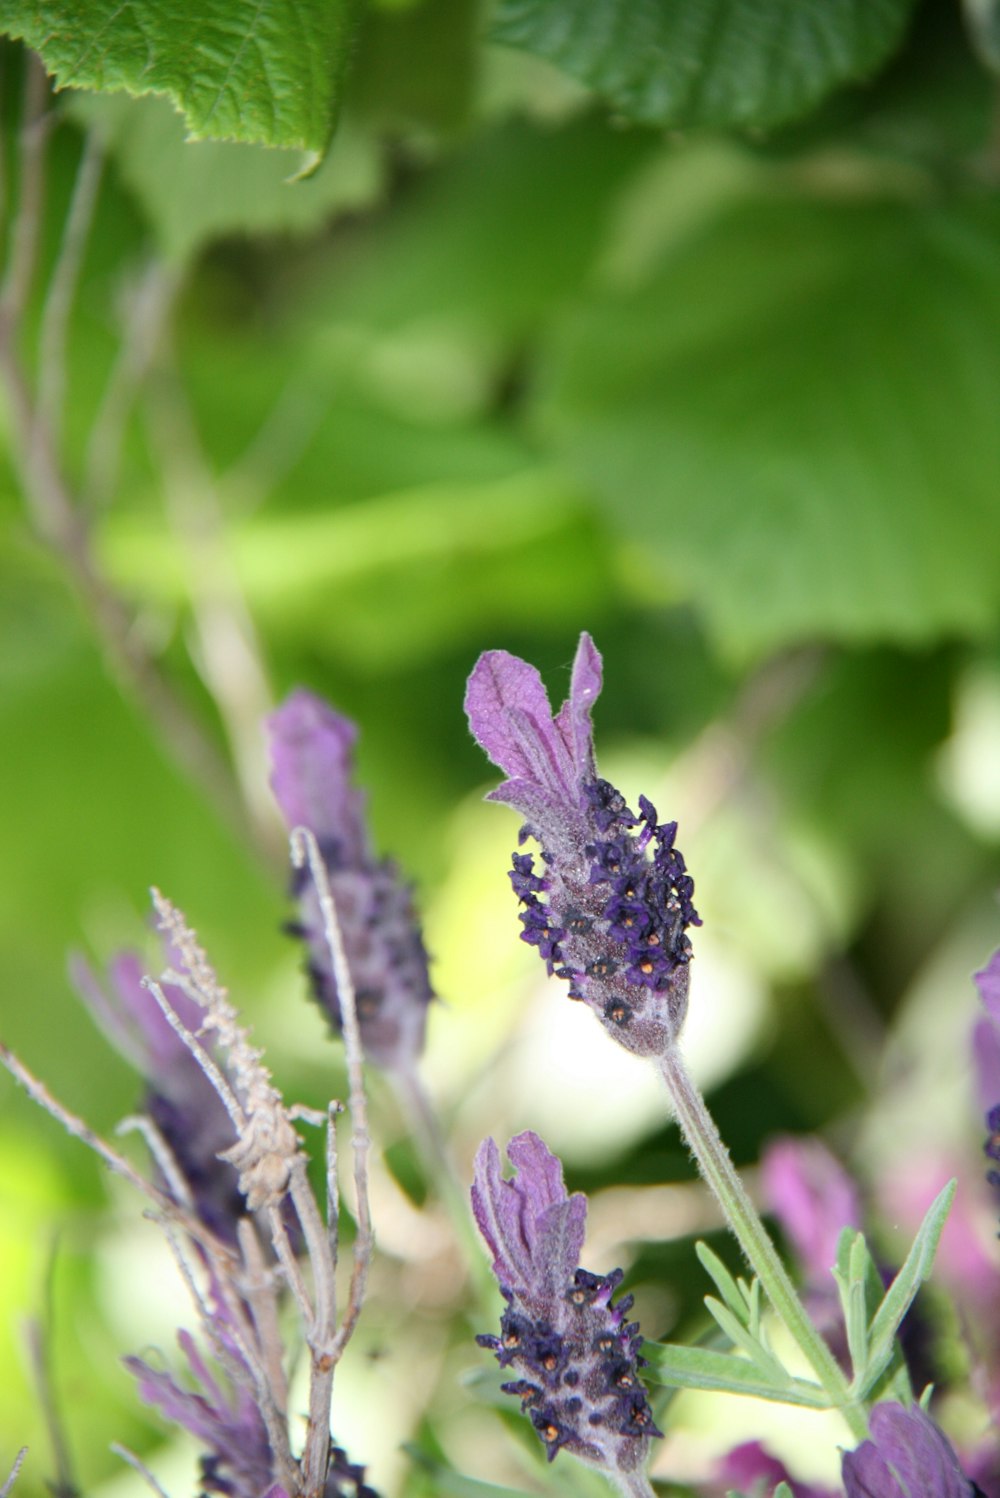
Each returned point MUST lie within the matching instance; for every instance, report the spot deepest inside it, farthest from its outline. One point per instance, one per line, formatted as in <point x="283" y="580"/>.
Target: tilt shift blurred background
<point x="513" y="363"/>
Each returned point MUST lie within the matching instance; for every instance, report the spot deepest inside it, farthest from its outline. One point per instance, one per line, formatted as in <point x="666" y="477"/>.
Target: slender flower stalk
<point x="714" y="1162"/>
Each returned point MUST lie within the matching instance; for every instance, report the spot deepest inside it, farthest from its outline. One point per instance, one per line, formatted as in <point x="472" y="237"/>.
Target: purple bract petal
<point x="907" y="1457"/>
<point x="312" y="762"/>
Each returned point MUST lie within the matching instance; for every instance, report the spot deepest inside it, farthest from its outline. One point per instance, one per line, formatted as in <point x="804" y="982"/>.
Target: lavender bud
<point x="907" y="1457"/>
<point x="609" y="905"/>
<point x="312" y="767"/>
<point x="572" y="1351"/>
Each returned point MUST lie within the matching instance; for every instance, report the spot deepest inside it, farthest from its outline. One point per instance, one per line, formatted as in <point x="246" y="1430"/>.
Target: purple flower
<point x="813" y="1198"/>
<point x="751" y="1469"/>
<point x="907" y="1457"/>
<point x="180" y="1100"/>
<point x="609" y="907"/>
<point x="312" y="764"/>
<point x="575" y="1356"/>
<point x="986" y="1057"/>
<point x="237" y="1459"/>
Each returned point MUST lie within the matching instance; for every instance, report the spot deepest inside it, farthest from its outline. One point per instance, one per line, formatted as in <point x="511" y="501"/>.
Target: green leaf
<point x="759" y="1356"/>
<point x="899" y="1297"/>
<point x="269" y="73"/>
<point x="723" y="1281"/>
<point x="192" y="193"/>
<point x="682" y="62"/>
<point x="794" y="418"/>
<point x="851" y="1273"/>
<point x="704" y="1368"/>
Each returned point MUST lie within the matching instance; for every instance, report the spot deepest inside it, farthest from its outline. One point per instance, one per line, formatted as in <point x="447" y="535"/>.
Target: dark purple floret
<point x="907" y="1457"/>
<point x="575" y="1353"/>
<point x="312" y="769"/>
<point x="610" y="905"/>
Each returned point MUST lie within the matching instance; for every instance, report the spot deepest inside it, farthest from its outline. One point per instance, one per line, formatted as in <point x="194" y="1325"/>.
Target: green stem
<point x="705" y="1143"/>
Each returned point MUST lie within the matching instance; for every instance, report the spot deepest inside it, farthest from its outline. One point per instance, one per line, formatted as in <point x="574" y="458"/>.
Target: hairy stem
<point x="705" y="1143"/>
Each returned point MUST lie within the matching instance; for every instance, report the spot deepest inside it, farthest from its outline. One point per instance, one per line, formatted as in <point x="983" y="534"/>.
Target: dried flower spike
<point x="609" y="907"/>
<point x="574" y="1353"/>
<point x="907" y="1457"/>
<point x="312" y="767"/>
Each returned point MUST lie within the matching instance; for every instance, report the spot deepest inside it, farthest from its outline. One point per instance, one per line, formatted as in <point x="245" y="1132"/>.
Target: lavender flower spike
<point x="312" y="764"/>
<point x="180" y="1100"/>
<point x="907" y="1457"/>
<point x="610" y="906"/>
<point x="575" y="1355"/>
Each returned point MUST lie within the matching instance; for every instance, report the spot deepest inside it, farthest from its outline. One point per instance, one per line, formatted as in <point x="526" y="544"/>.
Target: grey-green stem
<point x="705" y="1143"/>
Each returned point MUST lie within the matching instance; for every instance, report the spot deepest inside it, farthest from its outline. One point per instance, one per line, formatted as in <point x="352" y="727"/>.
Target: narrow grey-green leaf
<point x="793" y="421"/>
<point x="722" y="1280"/>
<point x="851" y="1275"/>
<point x="738" y="1334"/>
<point x="269" y="73"/>
<point x="704" y="1368"/>
<point x="899" y="1296"/>
<point x="689" y="62"/>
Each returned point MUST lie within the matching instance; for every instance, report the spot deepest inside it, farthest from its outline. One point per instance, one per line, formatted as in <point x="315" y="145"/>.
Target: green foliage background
<point x="683" y="332"/>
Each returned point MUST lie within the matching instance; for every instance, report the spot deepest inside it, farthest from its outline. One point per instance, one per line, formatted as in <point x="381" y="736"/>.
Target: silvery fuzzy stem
<point x="634" y="1485"/>
<point x="705" y="1143"/>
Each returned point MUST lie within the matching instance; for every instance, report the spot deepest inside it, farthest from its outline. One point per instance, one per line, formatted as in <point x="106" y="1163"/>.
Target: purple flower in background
<point x="986" y="1056"/>
<point x="813" y="1198"/>
<point x="575" y="1355"/>
<point x="180" y="1100"/>
<point x="312" y="766"/>
<point x="907" y="1457"/>
<point x="751" y="1469"/>
<point x="609" y="907"/>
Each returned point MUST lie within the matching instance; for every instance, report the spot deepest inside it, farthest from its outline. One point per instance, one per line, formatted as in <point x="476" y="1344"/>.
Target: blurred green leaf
<point x="450" y="557"/>
<point x="680" y="62"/>
<point x="194" y="192"/>
<point x="271" y="74"/>
<point x="794" y="416"/>
<point x="416" y="63"/>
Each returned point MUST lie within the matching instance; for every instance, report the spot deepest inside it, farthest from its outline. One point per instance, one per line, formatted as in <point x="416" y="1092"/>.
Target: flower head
<point x="609" y="906"/>
<point x="312" y="764"/>
<point x="907" y="1457"/>
<point x="575" y="1355"/>
<point x="180" y="1100"/>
